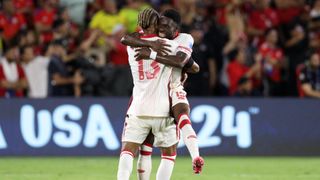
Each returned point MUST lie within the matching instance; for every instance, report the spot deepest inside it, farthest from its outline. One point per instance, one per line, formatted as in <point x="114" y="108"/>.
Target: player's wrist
<point x="153" y="55"/>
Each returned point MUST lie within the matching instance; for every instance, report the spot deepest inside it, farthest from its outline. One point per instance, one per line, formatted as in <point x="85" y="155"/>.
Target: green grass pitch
<point x="216" y="168"/>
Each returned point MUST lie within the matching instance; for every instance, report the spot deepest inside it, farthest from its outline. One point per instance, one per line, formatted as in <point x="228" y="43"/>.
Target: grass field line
<point x="216" y="168"/>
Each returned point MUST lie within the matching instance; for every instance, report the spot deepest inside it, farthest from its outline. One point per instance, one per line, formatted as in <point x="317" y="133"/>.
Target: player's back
<point x="185" y="43"/>
<point x="151" y="84"/>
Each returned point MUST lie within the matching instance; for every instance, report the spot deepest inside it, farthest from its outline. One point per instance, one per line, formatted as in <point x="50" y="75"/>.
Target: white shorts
<point x="178" y="95"/>
<point x="136" y="130"/>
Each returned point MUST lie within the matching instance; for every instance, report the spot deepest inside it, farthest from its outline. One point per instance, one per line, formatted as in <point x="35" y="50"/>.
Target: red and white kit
<point x="150" y="106"/>
<point x="177" y="92"/>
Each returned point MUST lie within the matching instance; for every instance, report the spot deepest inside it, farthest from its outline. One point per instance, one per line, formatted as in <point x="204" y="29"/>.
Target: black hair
<point x="173" y="14"/>
<point x="58" y="23"/>
<point x="60" y="42"/>
<point x="23" y="48"/>
<point x="233" y="54"/>
<point x="12" y="43"/>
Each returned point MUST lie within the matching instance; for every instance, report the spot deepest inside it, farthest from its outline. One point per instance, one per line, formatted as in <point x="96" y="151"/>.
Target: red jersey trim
<point x="176" y="35"/>
<point x="148" y="36"/>
<point x="188" y="49"/>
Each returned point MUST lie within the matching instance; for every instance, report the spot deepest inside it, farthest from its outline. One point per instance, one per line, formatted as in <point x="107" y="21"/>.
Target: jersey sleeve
<point x="186" y="44"/>
<point x="173" y="46"/>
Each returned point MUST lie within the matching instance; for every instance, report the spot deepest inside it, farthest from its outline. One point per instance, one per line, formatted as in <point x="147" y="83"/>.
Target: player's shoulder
<point x="185" y="40"/>
<point x="185" y="36"/>
<point x="168" y="41"/>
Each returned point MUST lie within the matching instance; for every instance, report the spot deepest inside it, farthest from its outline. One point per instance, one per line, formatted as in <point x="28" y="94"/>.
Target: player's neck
<point x="149" y="31"/>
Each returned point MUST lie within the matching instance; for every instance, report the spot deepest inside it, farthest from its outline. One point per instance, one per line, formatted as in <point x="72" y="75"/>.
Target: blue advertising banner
<point x="93" y="126"/>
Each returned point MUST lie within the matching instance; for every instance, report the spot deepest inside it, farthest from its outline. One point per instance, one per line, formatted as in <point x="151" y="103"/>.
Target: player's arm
<point x="179" y="60"/>
<point x="134" y="40"/>
<point x="191" y="66"/>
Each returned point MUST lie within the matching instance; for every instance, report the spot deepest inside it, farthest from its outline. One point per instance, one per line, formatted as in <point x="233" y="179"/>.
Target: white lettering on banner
<point x="62" y="126"/>
<point x="28" y="126"/>
<point x="232" y="124"/>
<point x="99" y="126"/>
<point x="72" y="132"/>
<point x="211" y="117"/>
<point x="3" y="143"/>
<point x="239" y="126"/>
<point x="69" y="133"/>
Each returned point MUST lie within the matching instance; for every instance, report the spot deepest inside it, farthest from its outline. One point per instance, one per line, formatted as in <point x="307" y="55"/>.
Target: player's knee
<point x="171" y="151"/>
<point x="131" y="147"/>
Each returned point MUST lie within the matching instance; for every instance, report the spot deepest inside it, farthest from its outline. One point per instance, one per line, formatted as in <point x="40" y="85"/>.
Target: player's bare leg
<point x="144" y="164"/>
<point x="168" y="157"/>
<point x="181" y="115"/>
<point x="128" y="152"/>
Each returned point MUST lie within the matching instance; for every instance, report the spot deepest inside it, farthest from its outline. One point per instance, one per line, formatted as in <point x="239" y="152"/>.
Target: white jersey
<point x="150" y="96"/>
<point x="185" y="42"/>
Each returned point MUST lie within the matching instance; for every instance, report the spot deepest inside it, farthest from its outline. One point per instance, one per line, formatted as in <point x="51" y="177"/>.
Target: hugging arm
<point x="134" y="40"/>
<point x="180" y="60"/>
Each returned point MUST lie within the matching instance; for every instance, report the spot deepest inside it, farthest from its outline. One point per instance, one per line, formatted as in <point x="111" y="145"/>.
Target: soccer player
<point x="149" y="109"/>
<point x="169" y="28"/>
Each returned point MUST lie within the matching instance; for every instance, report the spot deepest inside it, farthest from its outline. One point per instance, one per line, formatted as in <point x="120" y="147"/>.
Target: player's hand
<point x="142" y="53"/>
<point x="160" y="47"/>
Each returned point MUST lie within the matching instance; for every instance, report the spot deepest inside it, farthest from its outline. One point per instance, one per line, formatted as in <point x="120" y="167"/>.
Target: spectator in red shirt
<point x="272" y="59"/>
<point x="119" y="59"/>
<point x="10" y="21"/>
<point x="23" y="6"/>
<point x="288" y="10"/>
<point x="26" y="8"/>
<point x="261" y="19"/>
<point x="221" y="11"/>
<point x="118" y="54"/>
<point x="44" y="18"/>
<point x="236" y="69"/>
<point x="12" y="77"/>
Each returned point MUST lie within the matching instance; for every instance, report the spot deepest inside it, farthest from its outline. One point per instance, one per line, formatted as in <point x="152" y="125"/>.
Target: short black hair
<point x="173" y="14"/>
<point x="232" y="55"/>
<point x="58" y="23"/>
<point x="60" y="42"/>
<point x="12" y="43"/>
<point x="23" y="48"/>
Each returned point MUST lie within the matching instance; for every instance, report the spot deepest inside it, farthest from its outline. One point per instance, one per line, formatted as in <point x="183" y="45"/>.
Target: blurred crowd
<point x="261" y="48"/>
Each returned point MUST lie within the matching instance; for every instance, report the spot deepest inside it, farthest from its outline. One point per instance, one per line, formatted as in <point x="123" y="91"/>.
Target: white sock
<point x="189" y="136"/>
<point x="166" y="167"/>
<point x="144" y="164"/>
<point x="125" y="165"/>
